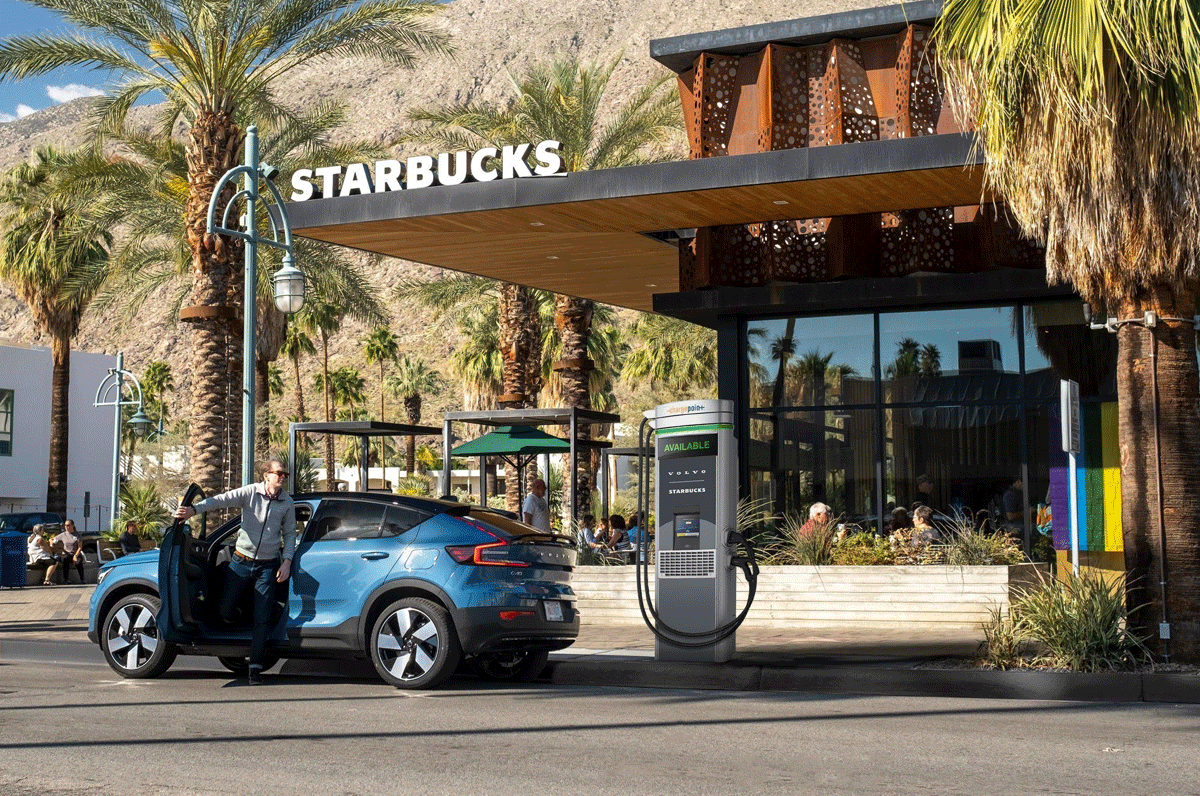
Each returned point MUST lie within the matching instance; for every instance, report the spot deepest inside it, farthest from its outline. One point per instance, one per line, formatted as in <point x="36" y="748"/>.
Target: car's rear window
<point x="506" y="524"/>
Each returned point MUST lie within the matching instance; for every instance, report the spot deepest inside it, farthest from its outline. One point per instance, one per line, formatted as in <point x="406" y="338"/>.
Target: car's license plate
<point x="553" y="611"/>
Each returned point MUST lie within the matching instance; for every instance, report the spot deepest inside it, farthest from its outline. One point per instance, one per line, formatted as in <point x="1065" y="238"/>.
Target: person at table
<point x="72" y="551"/>
<point x="129" y="540"/>
<point x="39" y="555"/>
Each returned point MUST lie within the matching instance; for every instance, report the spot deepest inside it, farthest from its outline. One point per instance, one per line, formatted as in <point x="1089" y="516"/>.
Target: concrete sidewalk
<point x="829" y="661"/>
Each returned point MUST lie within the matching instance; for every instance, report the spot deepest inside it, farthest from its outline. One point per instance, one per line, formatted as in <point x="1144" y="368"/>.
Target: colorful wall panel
<point x="1098" y="481"/>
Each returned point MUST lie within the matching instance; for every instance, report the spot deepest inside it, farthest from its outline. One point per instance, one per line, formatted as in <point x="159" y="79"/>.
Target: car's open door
<point x="182" y="584"/>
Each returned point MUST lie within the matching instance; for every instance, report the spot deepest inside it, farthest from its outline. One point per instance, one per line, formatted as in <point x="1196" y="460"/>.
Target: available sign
<point x="424" y="171"/>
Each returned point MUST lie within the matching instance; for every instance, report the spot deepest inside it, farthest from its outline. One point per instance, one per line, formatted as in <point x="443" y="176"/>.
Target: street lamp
<point x="289" y="280"/>
<point x="139" y="423"/>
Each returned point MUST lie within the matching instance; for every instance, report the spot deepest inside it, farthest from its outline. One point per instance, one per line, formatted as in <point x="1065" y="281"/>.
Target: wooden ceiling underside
<point x="597" y="247"/>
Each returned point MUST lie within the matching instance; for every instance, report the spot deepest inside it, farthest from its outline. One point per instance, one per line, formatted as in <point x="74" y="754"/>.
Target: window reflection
<point x="1059" y="345"/>
<point x="812" y="361"/>
<point x="950" y="355"/>
<point x="951" y="458"/>
<point x="798" y="458"/>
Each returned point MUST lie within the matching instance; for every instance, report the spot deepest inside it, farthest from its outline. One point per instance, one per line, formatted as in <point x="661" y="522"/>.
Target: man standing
<point x="267" y="535"/>
<point x="1014" y="501"/>
<point x="536" y="511"/>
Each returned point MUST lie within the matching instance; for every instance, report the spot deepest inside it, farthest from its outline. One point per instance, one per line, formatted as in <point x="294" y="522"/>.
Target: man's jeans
<point x="237" y="578"/>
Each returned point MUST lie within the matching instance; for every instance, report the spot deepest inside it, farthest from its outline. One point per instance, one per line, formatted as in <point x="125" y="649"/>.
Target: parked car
<point x="415" y="584"/>
<point x="25" y="520"/>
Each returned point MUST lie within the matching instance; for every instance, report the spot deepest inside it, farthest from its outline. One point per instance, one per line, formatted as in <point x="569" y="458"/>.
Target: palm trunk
<point x="60" y="390"/>
<point x="1178" y="442"/>
<point x="262" y="392"/>
<point x="412" y="409"/>
<point x="214" y="144"/>
<point x="515" y="351"/>
<point x="573" y="319"/>
<point x="330" y="465"/>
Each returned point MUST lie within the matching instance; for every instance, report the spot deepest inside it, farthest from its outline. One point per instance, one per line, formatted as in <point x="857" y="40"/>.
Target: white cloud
<point x="24" y="110"/>
<point x="7" y="117"/>
<point x="71" y="91"/>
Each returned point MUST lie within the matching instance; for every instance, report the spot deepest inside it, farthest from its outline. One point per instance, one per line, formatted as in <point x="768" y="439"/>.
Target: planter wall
<point x="931" y="597"/>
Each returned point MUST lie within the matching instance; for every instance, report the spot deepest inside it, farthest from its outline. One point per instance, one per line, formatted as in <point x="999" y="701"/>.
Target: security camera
<point x="268" y="171"/>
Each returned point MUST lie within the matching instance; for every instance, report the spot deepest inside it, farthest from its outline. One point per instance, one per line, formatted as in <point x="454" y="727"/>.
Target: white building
<point x="26" y="373"/>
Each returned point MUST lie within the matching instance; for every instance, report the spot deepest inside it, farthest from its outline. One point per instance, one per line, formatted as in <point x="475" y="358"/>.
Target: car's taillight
<point x="492" y="554"/>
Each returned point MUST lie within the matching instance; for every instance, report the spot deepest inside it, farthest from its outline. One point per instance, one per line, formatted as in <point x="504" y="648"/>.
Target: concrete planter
<point x="917" y="597"/>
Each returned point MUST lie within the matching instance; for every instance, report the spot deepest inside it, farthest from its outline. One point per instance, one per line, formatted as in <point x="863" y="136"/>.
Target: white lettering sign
<point x="424" y="171"/>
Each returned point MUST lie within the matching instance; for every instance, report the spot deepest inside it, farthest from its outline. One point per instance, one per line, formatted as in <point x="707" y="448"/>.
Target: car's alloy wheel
<point x="240" y="664"/>
<point x="130" y="638"/>
<point x="512" y="667"/>
<point x="413" y="644"/>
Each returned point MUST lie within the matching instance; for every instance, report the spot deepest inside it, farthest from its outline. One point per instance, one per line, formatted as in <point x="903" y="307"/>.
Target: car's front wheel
<point x="512" y="667"/>
<point x="130" y="638"/>
<point x="413" y="644"/>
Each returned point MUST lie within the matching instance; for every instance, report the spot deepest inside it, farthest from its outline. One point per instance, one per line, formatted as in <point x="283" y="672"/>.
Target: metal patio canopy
<point x="570" y="417"/>
<point x="363" y="429"/>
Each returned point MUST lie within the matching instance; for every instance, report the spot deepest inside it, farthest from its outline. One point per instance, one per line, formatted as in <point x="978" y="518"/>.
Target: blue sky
<point x="20" y="98"/>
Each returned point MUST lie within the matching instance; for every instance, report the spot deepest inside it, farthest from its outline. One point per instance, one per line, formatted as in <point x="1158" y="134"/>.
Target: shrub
<point x="1081" y="622"/>
<point x="1004" y="646"/>
<point x="1078" y="623"/>
<point x="863" y="548"/>
<point x="812" y="547"/>
<point x="966" y="547"/>
<point x="142" y="505"/>
<point x="419" y="485"/>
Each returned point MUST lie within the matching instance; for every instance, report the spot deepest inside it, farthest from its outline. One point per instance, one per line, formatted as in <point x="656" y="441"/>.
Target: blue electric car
<point x="417" y="585"/>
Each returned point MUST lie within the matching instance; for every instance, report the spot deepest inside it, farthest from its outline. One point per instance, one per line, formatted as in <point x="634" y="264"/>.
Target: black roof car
<point x="25" y="520"/>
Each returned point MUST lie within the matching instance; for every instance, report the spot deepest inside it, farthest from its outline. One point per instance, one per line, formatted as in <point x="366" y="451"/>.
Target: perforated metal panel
<point x="687" y="563"/>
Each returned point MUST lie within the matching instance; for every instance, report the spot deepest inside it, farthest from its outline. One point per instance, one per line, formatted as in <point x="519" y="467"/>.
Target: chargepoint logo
<point x="424" y="171"/>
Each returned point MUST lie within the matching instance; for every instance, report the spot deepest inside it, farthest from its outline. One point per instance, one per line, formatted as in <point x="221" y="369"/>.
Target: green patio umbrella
<point x="516" y="445"/>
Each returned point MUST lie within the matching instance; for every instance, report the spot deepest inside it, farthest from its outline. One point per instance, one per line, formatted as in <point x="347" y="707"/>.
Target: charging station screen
<point x="687" y="532"/>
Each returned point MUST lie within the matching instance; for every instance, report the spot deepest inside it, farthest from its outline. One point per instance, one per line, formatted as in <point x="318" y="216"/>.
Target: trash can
<point x="12" y="560"/>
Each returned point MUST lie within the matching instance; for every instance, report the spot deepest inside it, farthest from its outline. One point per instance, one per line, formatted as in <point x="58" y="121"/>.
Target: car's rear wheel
<point x="512" y="667"/>
<point x="413" y="644"/>
<point x="130" y="639"/>
<point x="240" y="664"/>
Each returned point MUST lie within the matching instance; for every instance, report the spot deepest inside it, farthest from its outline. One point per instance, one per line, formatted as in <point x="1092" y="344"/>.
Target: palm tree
<point x="156" y="380"/>
<point x="412" y="378"/>
<point x="672" y="354"/>
<point x="142" y="189"/>
<point x="380" y="346"/>
<point x="930" y="360"/>
<point x="48" y="242"/>
<point x="1088" y="114"/>
<point x="324" y="318"/>
<point x="564" y="101"/>
<point x="295" y="345"/>
<point x="215" y="61"/>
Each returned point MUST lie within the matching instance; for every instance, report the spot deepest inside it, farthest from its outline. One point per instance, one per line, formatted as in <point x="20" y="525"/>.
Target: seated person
<point x="983" y="523"/>
<point x="129" y="540"/>
<point x="818" y="521"/>
<point x="72" y="551"/>
<point x="39" y="555"/>
<point x="619" y="536"/>
<point x="603" y="534"/>
<point x="588" y="534"/>
<point x="923" y="527"/>
<point x="900" y="519"/>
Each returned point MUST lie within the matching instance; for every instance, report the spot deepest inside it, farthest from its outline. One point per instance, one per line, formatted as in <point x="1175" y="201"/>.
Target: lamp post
<point x="289" y="280"/>
<point x="105" y="396"/>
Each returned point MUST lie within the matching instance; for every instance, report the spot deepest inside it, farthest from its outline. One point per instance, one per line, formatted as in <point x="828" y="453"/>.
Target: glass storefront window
<point x="798" y="458"/>
<point x="951" y="458"/>
<point x="1059" y="345"/>
<point x="937" y="356"/>
<point x="825" y="361"/>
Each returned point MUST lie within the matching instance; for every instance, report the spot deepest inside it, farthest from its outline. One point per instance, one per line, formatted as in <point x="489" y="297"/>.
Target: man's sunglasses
<point x="280" y="473"/>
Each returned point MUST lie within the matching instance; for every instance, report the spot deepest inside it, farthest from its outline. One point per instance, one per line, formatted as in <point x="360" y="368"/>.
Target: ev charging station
<point x="695" y="511"/>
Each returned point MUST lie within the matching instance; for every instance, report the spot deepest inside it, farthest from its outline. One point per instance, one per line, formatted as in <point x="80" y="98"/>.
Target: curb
<point x="1066" y="686"/>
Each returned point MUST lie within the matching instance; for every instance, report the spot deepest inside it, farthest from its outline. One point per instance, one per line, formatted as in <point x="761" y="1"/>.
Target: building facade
<point x="25" y="379"/>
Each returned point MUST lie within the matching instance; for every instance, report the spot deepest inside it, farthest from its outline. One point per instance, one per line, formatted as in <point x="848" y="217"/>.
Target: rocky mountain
<point x="493" y="38"/>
